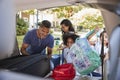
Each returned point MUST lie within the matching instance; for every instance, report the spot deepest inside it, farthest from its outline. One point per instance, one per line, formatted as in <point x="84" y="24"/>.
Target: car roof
<point x="38" y="4"/>
<point x="43" y="4"/>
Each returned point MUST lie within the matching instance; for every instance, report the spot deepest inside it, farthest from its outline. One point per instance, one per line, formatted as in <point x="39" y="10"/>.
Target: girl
<point x="68" y="40"/>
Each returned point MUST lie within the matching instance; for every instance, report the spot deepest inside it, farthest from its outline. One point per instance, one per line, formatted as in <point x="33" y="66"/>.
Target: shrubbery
<point x="21" y="26"/>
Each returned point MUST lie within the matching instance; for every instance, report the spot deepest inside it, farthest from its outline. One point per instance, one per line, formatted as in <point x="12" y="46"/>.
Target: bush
<point x="21" y="27"/>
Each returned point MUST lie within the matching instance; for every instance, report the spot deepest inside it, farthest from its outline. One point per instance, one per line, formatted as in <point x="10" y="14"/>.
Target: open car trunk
<point x="110" y="10"/>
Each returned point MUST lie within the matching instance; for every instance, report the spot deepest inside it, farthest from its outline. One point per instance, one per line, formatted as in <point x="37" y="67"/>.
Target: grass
<point x="20" y="40"/>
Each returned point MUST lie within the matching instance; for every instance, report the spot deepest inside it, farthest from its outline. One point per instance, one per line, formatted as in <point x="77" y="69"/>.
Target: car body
<point x="110" y="10"/>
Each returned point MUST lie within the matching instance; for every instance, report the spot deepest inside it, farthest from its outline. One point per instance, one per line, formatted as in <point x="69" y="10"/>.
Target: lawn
<point x="20" y="40"/>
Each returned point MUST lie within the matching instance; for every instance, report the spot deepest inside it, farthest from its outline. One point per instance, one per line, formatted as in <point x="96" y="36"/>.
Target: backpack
<point x="64" y="72"/>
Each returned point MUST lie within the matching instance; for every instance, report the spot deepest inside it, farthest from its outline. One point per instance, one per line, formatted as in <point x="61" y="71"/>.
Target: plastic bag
<point x="85" y="59"/>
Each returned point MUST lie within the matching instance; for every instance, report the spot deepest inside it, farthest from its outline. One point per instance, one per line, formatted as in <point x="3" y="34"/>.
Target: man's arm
<point x="50" y="47"/>
<point x="23" y="49"/>
<point x="49" y="52"/>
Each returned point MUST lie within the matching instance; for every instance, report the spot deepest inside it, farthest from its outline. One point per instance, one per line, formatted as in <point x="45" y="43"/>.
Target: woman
<point x="98" y="47"/>
<point x="66" y="27"/>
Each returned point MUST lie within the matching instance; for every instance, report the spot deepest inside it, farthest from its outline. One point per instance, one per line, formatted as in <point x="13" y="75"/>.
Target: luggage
<point x="38" y="65"/>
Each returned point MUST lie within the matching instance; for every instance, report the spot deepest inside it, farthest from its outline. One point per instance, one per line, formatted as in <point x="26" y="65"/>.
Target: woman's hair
<point x="68" y="23"/>
<point x="101" y="34"/>
<point x="66" y="36"/>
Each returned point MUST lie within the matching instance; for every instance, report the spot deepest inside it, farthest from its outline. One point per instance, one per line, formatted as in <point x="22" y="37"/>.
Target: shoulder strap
<point x="102" y="55"/>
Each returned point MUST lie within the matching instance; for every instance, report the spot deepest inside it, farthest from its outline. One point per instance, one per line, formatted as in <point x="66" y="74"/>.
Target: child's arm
<point x="92" y="33"/>
<point x="61" y="47"/>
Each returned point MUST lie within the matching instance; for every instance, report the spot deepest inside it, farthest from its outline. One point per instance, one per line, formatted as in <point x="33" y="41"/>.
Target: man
<point x="37" y="40"/>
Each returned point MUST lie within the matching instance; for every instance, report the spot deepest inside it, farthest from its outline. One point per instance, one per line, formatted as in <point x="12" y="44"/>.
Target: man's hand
<point x="23" y="49"/>
<point x="49" y="52"/>
<point x="49" y="56"/>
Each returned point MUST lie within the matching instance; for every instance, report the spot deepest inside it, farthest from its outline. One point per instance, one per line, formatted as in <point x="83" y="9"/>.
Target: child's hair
<point x="69" y="35"/>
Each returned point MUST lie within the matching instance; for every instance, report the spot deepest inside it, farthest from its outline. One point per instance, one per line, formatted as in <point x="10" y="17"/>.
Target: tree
<point x="21" y="26"/>
<point x="91" y="22"/>
<point x="29" y="11"/>
<point x="66" y="11"/>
